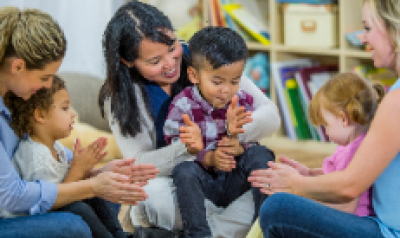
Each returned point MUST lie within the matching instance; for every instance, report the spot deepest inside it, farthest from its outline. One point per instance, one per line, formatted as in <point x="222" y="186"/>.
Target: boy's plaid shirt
<point x="211" y="121"/>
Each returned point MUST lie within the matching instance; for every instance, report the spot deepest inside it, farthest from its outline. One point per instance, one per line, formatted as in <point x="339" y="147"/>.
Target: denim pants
<point x="287" y="215"/>
<point x="100" y="215"/>
<point x="194" y="184"/>
<point x="49" y="225"/>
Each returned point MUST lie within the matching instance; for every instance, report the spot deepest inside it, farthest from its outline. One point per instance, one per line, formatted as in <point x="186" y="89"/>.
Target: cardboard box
<point x="310" y="25"/>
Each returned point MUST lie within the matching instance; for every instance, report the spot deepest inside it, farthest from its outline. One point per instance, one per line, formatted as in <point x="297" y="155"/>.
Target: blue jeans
<point x="287" y="215"/>
<point x="49" y="225"/>
<point x="194" y="184"/>
<point x="99" y="215"/>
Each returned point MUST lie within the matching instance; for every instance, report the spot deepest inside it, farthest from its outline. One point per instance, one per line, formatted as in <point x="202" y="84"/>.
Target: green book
<point x="299" y="116"/>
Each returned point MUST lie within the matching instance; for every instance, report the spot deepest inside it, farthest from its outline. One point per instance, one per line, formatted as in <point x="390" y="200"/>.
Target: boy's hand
<point x="236" y="118"/>
<point x="191" y="136"/>
<point x="230" y="146"/>
<point x="301" y="168"/>
<point x="86" y="158"/>
<point x="223" y="161"/>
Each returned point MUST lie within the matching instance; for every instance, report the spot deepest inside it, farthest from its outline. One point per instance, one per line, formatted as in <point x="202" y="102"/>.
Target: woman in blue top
<point x="32" y="47"/>
<point x="376" y="162"/>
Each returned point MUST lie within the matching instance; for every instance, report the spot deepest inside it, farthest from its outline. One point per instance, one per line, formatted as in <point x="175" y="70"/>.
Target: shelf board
<point x="252" y="45"/>
<point x="358" y="54"/>
<point x="307" y="50"/>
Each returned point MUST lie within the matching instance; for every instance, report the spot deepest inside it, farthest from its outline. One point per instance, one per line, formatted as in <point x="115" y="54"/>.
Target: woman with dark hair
<point x="146" y="68"/>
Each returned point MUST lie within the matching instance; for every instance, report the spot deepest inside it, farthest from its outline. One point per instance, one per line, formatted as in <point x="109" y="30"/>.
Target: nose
<point x="73" y="115"/>
<point x="363" y="38"/>
<point x="225" y="89"/>
<point x="170" y="63"/>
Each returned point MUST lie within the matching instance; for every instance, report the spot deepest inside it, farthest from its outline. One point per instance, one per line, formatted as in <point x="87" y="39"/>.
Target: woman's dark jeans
<point x="194" y="184"/>
<point x="286" y="216"/>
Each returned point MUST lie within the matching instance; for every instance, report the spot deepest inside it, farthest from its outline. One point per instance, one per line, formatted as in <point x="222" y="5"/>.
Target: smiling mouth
<point x="171" y="73"/>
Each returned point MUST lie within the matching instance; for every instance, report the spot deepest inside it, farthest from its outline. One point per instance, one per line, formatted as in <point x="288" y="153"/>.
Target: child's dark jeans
<point x="100" y="216"/>
<point x="194" y="184"/>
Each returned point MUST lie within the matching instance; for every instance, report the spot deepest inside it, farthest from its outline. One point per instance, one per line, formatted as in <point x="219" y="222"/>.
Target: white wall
<point x="83" y="22"/>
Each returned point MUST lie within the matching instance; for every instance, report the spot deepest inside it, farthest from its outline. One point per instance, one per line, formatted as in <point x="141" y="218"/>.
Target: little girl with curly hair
<point x="39" y="122"/>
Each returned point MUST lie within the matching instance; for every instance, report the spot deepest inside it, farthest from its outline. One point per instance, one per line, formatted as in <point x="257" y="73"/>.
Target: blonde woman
<point x="376" y="162"/>
<point x="32" y="47"/>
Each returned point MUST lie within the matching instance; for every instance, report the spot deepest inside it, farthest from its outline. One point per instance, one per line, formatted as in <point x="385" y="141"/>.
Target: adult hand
<point x="86" y="158"/>
<point x="139" y="173"/>
<point x="223" y="161"/>
<point x="230" y="146"/>
<point x="190" y="134"/>
<point x="277" y="178"/>
<point x="117" y="188"/>
<point x="236" y="117"/>
<point x="301" y="168"/>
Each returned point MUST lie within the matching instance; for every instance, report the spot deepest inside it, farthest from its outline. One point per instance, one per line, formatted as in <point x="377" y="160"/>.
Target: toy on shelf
<point x="187" y="31"/>
<point x="257" y="69"/>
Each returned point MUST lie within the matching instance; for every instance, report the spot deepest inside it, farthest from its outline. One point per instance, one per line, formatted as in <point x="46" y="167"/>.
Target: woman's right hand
<point x="117" y="188"/>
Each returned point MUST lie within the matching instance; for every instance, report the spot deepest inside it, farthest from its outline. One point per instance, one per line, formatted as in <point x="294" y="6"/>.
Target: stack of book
<point x="227" y="13"/>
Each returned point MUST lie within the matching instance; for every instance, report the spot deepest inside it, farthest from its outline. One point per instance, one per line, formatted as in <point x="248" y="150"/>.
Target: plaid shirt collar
<point x="205" y="106"/>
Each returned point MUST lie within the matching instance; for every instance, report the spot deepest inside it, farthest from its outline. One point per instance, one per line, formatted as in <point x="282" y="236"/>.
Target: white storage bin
<point x="310" y="25"/>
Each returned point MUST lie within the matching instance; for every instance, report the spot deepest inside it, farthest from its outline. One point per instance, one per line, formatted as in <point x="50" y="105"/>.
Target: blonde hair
<point x="31" y="35"/>
<point x="349" y="93"/>
<point x="388" y="12"/>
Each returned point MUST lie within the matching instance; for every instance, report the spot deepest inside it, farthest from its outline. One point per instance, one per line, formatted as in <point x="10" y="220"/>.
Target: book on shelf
<point x="303" y="77"/>
<point x="255" y="27"/>
<point x="281" y="72"/>
<point x="299" y="118"/>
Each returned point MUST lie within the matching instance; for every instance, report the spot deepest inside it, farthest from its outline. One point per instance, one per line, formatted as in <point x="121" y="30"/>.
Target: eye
<point x="235" y="82"/>
<point x="216" y="82"/>
<point x="155" y="62"/>
<point x="172" y="48"/>
<point x="367" y="28"/>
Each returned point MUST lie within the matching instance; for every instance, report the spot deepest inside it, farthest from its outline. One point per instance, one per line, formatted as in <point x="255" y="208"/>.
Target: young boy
<point x="208" y="117"/>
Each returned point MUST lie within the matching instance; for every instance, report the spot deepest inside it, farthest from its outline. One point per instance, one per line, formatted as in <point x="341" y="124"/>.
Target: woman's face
<point x="159" y="62"/>
<point x="26" y="82"/>
<point x="377" y="37"/>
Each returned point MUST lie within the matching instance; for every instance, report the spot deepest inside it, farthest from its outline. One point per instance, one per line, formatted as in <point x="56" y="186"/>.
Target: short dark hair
<point x="22" y="110"/>
<point x="219" y="46"/>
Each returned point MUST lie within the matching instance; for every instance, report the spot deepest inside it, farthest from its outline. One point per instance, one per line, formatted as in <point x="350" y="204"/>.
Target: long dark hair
<point x="132" y="23"/>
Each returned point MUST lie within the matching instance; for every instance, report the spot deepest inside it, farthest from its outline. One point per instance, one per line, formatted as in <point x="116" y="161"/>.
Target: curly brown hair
<point x="22" y="110"/>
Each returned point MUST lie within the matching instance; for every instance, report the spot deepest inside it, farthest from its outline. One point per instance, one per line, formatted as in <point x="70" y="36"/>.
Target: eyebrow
<point x="219" y="77"/>
<point x="158" y="56"/>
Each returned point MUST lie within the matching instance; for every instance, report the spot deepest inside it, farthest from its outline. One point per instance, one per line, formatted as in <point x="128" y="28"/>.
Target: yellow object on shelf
<point x="252" y="25"/>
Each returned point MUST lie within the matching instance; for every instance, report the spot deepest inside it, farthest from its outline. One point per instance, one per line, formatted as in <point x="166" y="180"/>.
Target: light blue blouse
<point x="16" y="195"/>
<point x="386" y="195"/>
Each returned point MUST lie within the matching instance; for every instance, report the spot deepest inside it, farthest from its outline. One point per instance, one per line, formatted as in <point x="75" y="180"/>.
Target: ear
<point x="39" y="116"/>
<point x="17" y="65"/>
<point x="193" y="75"/>
<point x="129" y="65"/>
<point x="344" y="118"/>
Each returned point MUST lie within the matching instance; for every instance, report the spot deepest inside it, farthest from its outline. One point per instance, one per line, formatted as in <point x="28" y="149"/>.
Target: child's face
<point x="61" y="116"/>
<point x="337" y="128"/>
<point x="218" y="86"/>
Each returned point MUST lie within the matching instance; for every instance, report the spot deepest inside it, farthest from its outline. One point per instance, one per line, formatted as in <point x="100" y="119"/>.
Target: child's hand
<point x="236" y="118"/>
<point x="223" y="161"/>
<point x="231" y="146"/>
<point x="191" y="136"/>
<point x="301" y="168"/>
<point x="86" y="158"/>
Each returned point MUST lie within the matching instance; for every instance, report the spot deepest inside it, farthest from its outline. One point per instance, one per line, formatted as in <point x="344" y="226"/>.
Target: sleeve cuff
<point x="48" y="196"/>
<point x="200" y="158"/>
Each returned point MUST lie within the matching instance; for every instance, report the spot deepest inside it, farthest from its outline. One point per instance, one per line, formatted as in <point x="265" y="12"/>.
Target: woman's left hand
<point x="139" y="173"/>
<point x="277" y="178"/>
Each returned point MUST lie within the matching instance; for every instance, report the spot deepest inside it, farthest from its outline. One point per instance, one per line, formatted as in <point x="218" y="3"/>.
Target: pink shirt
<point x="339" y="161"/>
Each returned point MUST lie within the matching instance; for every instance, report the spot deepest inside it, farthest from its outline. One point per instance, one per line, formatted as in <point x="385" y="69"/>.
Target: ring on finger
<point x="267" y="185"/>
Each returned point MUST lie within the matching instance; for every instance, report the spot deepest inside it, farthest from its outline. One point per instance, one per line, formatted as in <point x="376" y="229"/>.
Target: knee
<point x="276" y="207"/>
<point x="185" y="171"/>
<point x="73" y="226"/>
<point x="258" y="154"/>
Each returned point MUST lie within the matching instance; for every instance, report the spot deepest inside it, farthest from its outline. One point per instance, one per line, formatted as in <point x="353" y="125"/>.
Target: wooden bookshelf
<point x="349" y="19"/>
